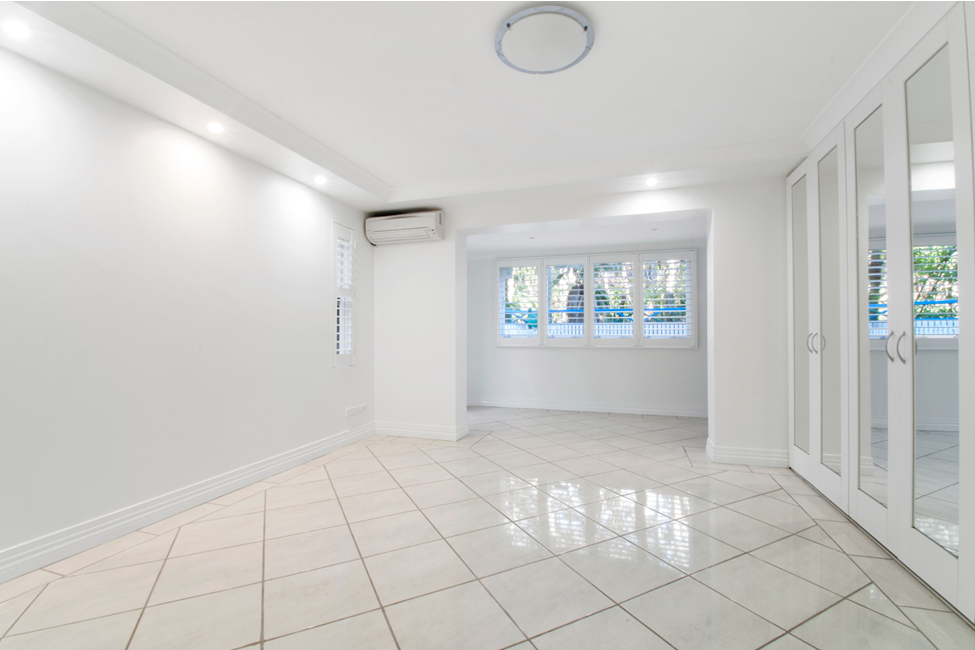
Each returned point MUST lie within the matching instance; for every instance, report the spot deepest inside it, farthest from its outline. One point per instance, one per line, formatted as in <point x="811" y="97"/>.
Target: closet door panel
<point x="868" y="363"/>
<point x="802" y="332"/>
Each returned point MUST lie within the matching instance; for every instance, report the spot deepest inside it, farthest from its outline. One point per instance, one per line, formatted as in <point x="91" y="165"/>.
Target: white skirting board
<point x="50" y="548"/>
<point x="426" y="431"/>
<point x="745" y="456"/>
<point x="678" y="411"/>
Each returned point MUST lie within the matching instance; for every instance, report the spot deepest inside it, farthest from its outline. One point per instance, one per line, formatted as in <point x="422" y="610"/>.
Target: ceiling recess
<point x="544" y="40"/>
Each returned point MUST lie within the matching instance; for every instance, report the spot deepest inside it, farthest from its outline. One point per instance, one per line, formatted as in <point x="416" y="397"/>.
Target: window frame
<point x="692" y="290"/>
<point x="587" y="306"/>
<point x="590" y="340"/>
<point x="342" y="232"/>
<point x="610" y="258"/>
<point x="539" y="330"/>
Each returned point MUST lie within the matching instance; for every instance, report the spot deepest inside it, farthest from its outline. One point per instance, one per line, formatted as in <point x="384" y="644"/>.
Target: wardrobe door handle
<point x="807" y="342"/>
<point x="899" y="339"/>
<point x="815" y="334"/>
<point x="822" y="348"/>
<point x="887" y="347"/>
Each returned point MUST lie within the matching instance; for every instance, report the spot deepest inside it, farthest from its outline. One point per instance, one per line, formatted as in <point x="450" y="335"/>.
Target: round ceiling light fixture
<point x="652" y="181"/>
<point x="544" y="40"/>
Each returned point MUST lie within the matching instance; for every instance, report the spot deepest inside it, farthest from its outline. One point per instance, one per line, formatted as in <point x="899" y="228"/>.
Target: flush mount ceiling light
<point x="320" y="180"/>
<point x="215" y="127"/>
<point x="16" y="30"/>
<point x="651" y="181"/>
<point x="543" y="40"/>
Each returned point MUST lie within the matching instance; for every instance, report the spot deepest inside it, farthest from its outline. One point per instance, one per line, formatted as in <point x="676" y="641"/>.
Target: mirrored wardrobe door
<point x="935" y="301"/>
<point x="802" y="333"/>
<point x="828" y="340"/>
<point x="872" y="307"/>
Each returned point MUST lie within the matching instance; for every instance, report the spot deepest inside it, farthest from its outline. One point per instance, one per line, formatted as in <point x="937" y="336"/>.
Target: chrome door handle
<point x="807" y="342"/>
<point x="899" y="339"/>
<point x="887" y="347"/>
<point x="815" y="334"/>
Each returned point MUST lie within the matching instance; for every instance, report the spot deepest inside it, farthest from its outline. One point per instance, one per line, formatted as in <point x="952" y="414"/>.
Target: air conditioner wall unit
<point x="402" y="228"/>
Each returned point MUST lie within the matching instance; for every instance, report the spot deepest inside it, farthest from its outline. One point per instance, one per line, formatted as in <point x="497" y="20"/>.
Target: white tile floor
<point x="546" y="530"/>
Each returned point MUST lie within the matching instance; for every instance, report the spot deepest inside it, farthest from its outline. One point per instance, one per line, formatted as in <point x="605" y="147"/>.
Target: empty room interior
<point x="487" y="325"/>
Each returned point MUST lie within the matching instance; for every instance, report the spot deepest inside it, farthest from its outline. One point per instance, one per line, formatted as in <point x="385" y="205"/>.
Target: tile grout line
<point x="438" y="462"/>
<point x="32" y="601"/>
<point x="264" y="563"/>
<point x="553" y="556"/>
<point x="365" y="568"/>
<point x="444" y="540"/>
<point x="588" y="455"/>
<point x="152" y="589"/>
<point x="792" y="534"/>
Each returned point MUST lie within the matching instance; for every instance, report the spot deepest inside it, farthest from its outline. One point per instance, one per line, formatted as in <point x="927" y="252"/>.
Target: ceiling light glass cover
<point x="543" y="40"/>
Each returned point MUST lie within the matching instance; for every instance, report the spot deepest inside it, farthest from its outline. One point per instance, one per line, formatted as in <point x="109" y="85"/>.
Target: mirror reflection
<point x="801" y="332"/>
<point x="830" y="293"/>
<point x="872" y="273"/>
<point x="935" y="297"/>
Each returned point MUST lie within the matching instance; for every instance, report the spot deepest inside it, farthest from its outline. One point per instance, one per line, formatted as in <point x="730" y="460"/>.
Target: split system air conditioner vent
<point x="403" y="228"/>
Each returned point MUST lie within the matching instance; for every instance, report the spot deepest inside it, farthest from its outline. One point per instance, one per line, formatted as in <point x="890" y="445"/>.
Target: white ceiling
<point x="412" y="96"/>
<point x="584" y="236"/>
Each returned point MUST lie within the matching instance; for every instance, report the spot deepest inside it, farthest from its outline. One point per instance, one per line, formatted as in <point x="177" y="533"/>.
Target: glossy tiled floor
<point x="547" y="530"/>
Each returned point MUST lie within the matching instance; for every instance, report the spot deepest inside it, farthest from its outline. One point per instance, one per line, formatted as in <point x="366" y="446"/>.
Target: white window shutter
<point x="343" y="295"/>
<point x="565" y="289"/>
<point x="668" y="296"/>
<point x="518" y="302"/>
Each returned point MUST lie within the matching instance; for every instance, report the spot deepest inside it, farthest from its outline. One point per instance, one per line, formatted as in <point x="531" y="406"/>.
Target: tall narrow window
<point x="518" y="305"/>
<point x="343" y="296"/>
<point x="612" y="298"/>
<point x="566" y="286"/>
<point x="667" y="297"/>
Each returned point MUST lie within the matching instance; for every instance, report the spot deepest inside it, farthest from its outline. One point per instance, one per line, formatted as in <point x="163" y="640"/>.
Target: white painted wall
<point x="417" y="357"/>
<point x="649" y="380"/>
<point x="421" y="334"/>
<point x="165" y="316"/>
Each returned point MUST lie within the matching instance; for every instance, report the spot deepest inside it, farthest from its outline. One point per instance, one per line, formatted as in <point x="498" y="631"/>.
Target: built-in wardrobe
<point x="882" y="329"/>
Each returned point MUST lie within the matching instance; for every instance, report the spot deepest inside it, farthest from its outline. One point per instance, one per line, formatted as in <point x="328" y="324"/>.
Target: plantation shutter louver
<point x="343" y="295"/>
<point x="667" y="298"/>
<point x="566" y="303"/>
<point x="612" y="294"/>
<point x="518" y="302"/>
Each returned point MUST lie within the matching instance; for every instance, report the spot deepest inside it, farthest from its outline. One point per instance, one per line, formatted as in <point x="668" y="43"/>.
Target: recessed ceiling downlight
<point x="16" y="30"/>
<point x="543" y="40"/>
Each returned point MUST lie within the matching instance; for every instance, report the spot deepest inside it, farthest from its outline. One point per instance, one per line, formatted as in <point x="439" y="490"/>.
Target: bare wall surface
<point x="421" y="336"/>
<point x="165" y="309"/>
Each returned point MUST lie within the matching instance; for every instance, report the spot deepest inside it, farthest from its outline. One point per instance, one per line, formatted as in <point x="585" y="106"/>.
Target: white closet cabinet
<point x="882" y="364"/>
